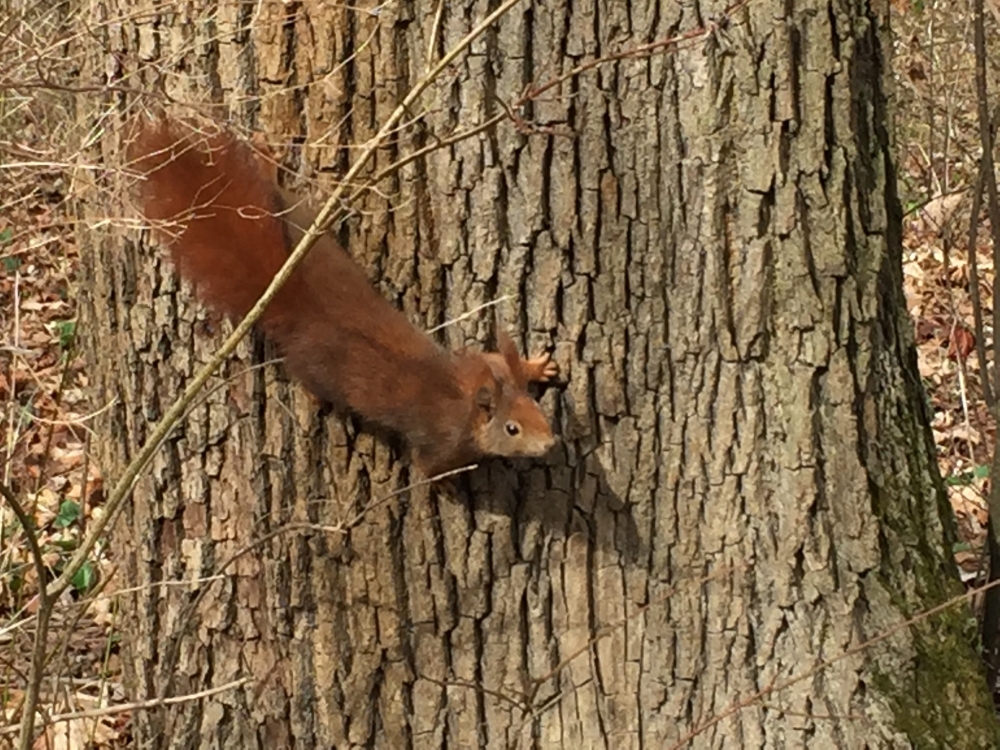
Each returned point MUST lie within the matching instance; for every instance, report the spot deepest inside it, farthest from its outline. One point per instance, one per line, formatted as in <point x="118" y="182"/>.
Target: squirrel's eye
<point x="513" y="429"/>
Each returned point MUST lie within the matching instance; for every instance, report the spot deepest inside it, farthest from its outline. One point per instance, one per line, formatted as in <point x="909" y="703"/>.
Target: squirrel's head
<point x="510" y="422"/>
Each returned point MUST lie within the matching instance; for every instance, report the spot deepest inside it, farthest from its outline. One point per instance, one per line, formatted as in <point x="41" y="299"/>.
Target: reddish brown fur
<point x="344" y="341"/>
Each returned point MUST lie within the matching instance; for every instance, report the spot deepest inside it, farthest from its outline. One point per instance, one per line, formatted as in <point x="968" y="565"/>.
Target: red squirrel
<point x="230" y="230"/>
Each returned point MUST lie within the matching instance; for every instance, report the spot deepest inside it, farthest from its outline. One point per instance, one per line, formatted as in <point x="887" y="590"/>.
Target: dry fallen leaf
<point x="961" y="344"/>
<point x="966" y="433"/>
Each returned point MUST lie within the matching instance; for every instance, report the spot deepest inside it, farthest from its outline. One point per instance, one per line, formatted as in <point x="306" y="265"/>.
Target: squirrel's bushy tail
<point x="215" y="204"/>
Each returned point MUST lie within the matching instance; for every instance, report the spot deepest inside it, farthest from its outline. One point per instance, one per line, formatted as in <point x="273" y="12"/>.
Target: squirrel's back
<point x="230" y="229"/>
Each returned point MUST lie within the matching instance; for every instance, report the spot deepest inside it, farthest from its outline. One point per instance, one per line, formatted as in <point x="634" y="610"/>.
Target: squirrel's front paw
<point x="541" y="369"/>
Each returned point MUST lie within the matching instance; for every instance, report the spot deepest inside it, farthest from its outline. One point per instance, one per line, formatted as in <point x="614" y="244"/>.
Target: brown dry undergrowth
<point x="44" y="452"/>
<point x="938" y="156"/>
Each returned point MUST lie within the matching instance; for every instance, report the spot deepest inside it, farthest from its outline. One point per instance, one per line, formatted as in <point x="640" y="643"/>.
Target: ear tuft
<point x="511" y="356"/>
<point x="486" y="399"/>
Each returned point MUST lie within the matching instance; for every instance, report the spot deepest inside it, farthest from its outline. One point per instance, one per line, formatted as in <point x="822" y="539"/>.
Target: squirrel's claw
<point x="541" y="369"/>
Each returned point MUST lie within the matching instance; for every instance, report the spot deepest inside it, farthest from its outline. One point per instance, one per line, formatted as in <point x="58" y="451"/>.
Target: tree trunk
<point x="746" y="488"/>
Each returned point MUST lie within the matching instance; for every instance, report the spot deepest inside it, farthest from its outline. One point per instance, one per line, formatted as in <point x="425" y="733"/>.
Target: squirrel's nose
<point x="543" y="445"/>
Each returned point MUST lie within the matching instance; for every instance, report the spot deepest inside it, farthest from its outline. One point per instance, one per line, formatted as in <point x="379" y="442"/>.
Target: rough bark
<point x="710" y="240"/>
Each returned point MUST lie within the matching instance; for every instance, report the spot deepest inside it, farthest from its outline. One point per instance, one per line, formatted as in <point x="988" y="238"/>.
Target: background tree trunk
<point x="710" y="240"/>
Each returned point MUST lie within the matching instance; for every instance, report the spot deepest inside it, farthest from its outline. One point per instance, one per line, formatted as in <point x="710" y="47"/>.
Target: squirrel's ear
<point x="486" y="399"/>
<point x="511" y="356"/>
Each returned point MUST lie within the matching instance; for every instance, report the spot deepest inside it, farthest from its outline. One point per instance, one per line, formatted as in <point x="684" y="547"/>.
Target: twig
<point x="977" y="302"/>
<point x="38" y="654"/>
<point x="435" y="32"/>
<point x="470" y="313"/>
<point x="136" y="706"/>
<point x="395" y="493"/>
<point x="642" y="50"/>
<point x="438" y="144"/>
<point x="533" y="93"/>
<point x="12" y="432"/>
<point x="58" y="652"/>
<point x="68" y="356"/>
<point x="521" y="704"/>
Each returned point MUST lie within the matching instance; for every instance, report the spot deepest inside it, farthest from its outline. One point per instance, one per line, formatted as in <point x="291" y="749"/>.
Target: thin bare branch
<point x="136" y="706"/>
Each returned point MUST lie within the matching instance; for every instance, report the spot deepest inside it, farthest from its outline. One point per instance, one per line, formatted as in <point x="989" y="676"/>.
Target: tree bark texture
<point x="709" y="239"/>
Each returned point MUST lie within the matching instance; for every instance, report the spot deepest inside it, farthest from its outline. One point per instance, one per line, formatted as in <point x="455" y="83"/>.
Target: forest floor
<point x="46" y="454"/>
